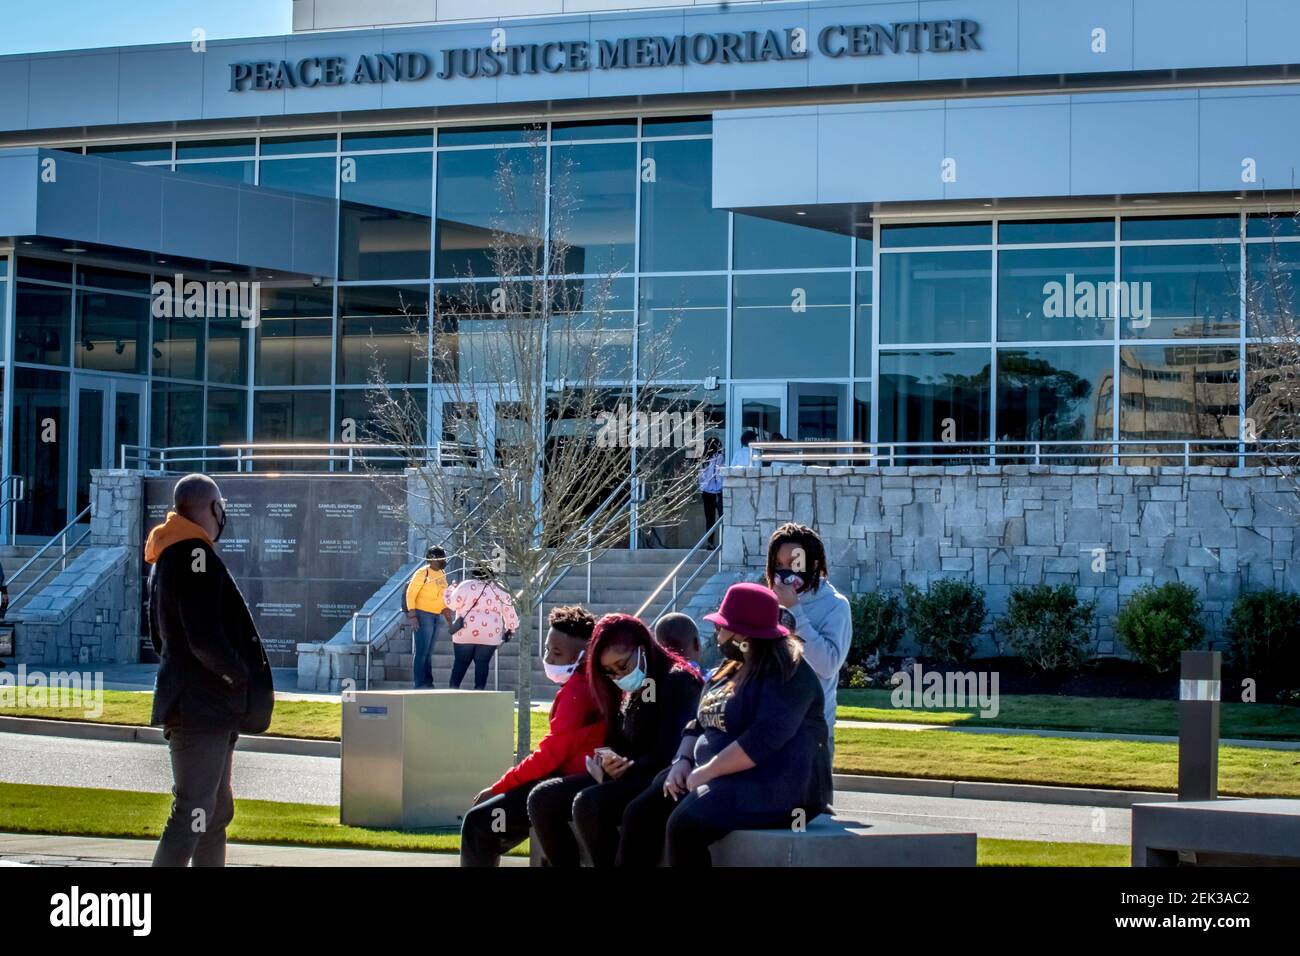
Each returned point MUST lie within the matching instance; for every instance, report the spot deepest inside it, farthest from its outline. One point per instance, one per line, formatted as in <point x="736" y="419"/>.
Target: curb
<point x="130" y="733"/>
<point x="1014" y="792"/>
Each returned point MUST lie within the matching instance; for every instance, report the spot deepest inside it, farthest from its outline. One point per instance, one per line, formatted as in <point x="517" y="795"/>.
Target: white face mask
<point x="560" y="673"/>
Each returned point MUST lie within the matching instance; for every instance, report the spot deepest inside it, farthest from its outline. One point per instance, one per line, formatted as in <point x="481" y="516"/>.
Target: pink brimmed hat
<point x="750" y="610"/>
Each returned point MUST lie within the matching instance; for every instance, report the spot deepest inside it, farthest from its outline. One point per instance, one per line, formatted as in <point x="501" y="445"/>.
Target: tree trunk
<point x="524" y="689"/>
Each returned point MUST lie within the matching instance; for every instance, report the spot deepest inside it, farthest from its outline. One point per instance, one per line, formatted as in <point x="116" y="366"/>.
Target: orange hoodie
<point x="175" y="528"/>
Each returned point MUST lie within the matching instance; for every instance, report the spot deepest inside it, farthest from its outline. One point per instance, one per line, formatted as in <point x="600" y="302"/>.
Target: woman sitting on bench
<point x="756" y="755"/>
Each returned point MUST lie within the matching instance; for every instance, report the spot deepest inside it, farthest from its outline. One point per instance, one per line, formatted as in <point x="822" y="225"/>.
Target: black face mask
<point x="787" y="576"/>
<point x="221" y="521"/>
<point x="731" y="652"/>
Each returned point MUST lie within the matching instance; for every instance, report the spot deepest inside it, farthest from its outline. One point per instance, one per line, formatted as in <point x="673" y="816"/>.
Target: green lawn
<point x="1113" y="764"/>
<point x="1120" y="715"/>
<point x="77" y="811"/>
<point x="321" y="719"/>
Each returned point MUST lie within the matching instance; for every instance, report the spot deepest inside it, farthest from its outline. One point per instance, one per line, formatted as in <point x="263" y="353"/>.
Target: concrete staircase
<point x="620" y="581"/>
<point x="13" y="557"/>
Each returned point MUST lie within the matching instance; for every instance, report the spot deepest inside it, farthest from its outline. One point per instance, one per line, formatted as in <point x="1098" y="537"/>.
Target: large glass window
<point x="936" y="397"/>
<point x="315" y="177"/>
<point x="683" y="327"/>
<point x="1272" y="289"/>
<point x="175" y="415"/>
<point x="593" y="206"/>
<point x="486" y="191"/>
<point x="1053" y="295"/>
<point x="1180" y="291"/>
<point x="112" y="331"/>
<point x="40" y="413"/>
<point x="385" y="328"/>
<point x="1054" y="394"/>
<point x="227" y="351"/>
<point x="294" y="336"/>
<point x="936" y="297"/>
<point x="355" y="415"/>
<point x="42" y="324"/>
<point x="680" y="229"/>
<point x="1179" y="391"/>
<point x="590" y="332"/>
<point x="178" y="347"/>
<point x="1273" y="391"/>
<point x="862" y="329"/>
<point x="790" y="325"/>
<point x="385" y="204"/>
<point x="770" y="244"/>
<point x="291" y="415"/>
<point x="227" y="418"/>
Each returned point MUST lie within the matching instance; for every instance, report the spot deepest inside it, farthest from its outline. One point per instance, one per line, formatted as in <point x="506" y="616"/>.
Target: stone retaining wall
<point x="1219" y="530"/>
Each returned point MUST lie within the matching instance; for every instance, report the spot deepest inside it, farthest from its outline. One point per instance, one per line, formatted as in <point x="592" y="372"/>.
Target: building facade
<point x="915" y="223"/>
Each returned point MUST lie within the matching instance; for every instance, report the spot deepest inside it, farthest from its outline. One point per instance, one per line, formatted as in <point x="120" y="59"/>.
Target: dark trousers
<point x="679" y="833"/>
<point x="598" y="815"/>
<point x="480" y="654"/>
<point x="495" y="826"/>
<point x="712" y="509"/>
<point x="203" y="802"/>
<point x="427" y="627"/>
<point x="550" y="810"/>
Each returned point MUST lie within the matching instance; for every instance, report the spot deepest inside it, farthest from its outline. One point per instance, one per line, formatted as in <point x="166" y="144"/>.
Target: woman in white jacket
<point x="488" y="614"/>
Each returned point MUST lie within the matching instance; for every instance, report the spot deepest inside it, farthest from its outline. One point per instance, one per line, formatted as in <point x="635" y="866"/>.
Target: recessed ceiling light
<point x="801" y="213"/>
<point x="221" y="271"/>
<point x="1146" y="202"/>
<point x="27" y="242"/>
<point x="74" y="249"/>
<point x="162" y="262"/>
<point x="988" y="205"/>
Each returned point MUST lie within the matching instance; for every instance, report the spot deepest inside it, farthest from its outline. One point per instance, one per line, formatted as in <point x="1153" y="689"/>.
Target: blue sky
<point x="37" y="25"/>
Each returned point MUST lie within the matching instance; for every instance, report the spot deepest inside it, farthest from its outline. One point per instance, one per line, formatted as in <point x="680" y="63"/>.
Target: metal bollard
<point x="1198" y="725"/>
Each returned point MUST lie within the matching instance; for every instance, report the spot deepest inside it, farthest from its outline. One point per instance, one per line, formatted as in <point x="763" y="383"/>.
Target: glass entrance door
<point x="757" y="408"/>
<point x="107" y="414"/>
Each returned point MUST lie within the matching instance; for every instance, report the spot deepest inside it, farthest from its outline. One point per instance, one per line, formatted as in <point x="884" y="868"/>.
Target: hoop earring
<point x="742" y="646"/>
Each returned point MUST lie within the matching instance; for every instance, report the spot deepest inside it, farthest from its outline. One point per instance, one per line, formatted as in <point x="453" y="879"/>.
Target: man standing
<point x="424" y="602"/>
<point x="214" y="680"/>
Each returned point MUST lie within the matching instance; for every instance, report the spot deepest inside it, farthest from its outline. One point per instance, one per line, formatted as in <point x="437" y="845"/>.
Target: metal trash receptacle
<point x="417" y="758"/>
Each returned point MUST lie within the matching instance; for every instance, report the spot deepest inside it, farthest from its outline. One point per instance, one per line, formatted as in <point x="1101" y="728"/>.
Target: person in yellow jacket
<point x="426" y="608"/>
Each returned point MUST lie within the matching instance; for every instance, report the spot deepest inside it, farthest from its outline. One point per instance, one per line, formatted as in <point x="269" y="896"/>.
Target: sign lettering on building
<point x="626" y="53"/>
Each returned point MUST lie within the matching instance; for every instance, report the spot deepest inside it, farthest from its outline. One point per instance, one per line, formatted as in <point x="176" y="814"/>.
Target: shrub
<point x="1159" y="623"/>
<point x="1264" y="631"/>
<point x="878" y="624"/>
<point x="855" y="676"/>
<point x="1048" y="626"/>
<point x="946" y="619"/>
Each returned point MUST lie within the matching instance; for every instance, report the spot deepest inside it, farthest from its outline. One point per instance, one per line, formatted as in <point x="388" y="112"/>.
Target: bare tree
<point x="553" y="407"/>
<point x="1271" y="419"/>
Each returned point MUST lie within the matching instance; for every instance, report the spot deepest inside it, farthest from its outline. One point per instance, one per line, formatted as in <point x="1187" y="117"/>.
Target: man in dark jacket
<point x="214" y="680"/>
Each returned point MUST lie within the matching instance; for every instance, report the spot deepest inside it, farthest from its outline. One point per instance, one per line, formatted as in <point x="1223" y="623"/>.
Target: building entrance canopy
<point x="84" y="201"/>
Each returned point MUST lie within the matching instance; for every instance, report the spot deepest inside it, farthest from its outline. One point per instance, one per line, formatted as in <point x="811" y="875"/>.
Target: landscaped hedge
<point x="1048" y="626"/>
<point x="879" y="621"/>
<point x="1263" y="631"/>
<point x="1159" y="623"/>
<point x="946" y="619"/>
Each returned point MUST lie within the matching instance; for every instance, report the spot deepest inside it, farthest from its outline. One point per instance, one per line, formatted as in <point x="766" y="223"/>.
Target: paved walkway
<point x="38" y="850"/>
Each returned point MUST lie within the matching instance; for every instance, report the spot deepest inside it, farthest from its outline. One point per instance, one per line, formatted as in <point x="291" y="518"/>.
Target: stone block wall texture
<point x="90" y="611"/>
<point x="82" y="615"/>
<point x="1222" y="531"/>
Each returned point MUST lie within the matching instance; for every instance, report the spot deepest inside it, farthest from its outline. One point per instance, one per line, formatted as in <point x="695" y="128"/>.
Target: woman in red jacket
<point x="577" y="728"/>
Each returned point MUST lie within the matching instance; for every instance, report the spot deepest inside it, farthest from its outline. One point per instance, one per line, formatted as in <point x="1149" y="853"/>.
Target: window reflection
<point x="1175" y="392"/>
<point x="936" y="297"/>
<point x="1054" y="394"/>
<point x="939" y="396"/>
<point x="593" y="206"/>
<point x="683" y="327"/>
<point x="385" y="328"/>
<point x="680" y="229"/>
<point x="385" y="203"/>
<point x="1055" y="294"/>
<point x="1180" y="291"/>
<point x="482" y="191"/>
<point x="294" y="336"/>
<point x="792" y="324"/>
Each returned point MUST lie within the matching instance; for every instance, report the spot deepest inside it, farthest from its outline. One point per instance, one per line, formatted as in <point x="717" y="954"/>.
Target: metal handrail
<point x="63" y="559"/>
<point x="11" y="500"/>
<point x="388" y="593"/>
<point x="671" y="577"/>
<point x="244" y="455"/>
<point x="1189" y="450"/>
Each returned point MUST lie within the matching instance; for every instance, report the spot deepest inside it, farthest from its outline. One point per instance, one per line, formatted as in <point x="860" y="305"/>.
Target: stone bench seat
<point x="840" y="840"/>
<point x="1252" y="832"/>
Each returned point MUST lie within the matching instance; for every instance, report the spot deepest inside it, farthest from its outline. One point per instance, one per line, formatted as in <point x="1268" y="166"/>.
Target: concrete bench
<point x="837" y="841"/>
<point x="1256" y="832"/>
